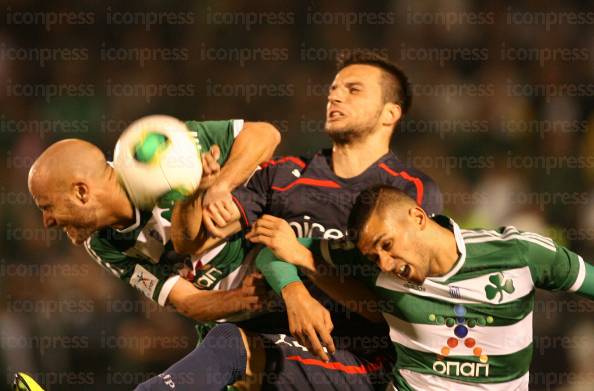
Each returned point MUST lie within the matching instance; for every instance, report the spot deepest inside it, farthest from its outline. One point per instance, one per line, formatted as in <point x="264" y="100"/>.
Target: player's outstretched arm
<point x="554" y="267"/>
<point x="187" y="232"/>
<point x="309" y="321"/>
<point x="284" y="250"/>
<point x="254" y="145"/>
<point x="204" y="306"/>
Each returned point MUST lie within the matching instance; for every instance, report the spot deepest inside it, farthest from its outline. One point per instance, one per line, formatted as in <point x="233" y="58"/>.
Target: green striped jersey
<point x="142" y="255"/>
<point x="470" y="329"/>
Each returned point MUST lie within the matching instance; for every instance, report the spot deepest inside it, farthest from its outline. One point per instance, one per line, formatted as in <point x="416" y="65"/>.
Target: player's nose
<point x="386" y="262"/>
<point x="335" y="96"/>
<point x="48" y="220"/>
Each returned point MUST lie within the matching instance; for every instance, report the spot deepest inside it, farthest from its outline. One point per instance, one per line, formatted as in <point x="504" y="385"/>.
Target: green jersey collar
<point x="450" y="224"/>
<point x="132" y="227"/>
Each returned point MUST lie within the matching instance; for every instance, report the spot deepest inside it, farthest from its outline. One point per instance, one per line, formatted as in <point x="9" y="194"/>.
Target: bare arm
<point x="278" y="236"/>
<point x="187" y="232"/>
<point x="212" y="209"/>
<point x="255" y="144"/>
<point x="204" y="305"/>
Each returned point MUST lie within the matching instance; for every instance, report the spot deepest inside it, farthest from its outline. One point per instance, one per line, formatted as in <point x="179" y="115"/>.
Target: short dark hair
<point x="395" y="85"/>
<point x="370" y="199"/>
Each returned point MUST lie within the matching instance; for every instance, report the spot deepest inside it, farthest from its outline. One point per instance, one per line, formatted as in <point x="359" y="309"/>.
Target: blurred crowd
<point x="502" y="119"/>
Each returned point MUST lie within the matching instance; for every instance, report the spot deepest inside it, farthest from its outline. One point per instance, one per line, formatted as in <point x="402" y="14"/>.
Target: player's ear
<point x="419" y="217"/>
<point x="81" y="192"/>
<point x="391" y="114"/>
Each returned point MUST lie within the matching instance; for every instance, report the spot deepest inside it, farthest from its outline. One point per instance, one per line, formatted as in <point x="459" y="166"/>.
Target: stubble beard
<point x="349" y="135"/>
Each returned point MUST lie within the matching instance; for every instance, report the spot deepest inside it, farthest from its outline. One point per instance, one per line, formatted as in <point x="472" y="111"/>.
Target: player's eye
<point x="373" y="258"/>
<point x="355" y="90"/>
<point x="387" y="245"/>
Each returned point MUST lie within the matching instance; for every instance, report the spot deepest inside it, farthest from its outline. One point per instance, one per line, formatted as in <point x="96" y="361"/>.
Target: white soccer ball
<point x="154" y="156"/>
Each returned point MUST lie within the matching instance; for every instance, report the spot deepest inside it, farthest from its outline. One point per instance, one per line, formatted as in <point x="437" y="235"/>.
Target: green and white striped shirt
<point x="470" y="329"/>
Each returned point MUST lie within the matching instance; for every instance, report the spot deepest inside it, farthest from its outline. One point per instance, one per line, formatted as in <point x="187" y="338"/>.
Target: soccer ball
<point x="156" y="156"/>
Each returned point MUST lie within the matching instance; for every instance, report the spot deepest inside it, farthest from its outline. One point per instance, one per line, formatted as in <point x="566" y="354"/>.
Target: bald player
<point x="78" y="191"/>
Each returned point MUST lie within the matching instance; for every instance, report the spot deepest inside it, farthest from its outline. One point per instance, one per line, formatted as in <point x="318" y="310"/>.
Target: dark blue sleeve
<point x="252" y="198"/>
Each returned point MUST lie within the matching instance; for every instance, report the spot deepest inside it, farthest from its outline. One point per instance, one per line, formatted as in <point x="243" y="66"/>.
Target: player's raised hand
<point x="309" y="321"/>
<point x="218" y="209"/>
<point x="252" y="293"/>
<point x="219" y="215"/>
<point x="210" y="167"/>
<point x="276" y="234"/>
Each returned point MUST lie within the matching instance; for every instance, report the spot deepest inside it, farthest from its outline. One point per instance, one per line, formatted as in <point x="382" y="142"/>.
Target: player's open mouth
<point x="335" y="114"/>
<point x="404" y="271"/>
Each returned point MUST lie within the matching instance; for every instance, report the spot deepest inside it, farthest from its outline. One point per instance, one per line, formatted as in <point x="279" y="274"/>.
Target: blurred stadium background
<point x="502" y="118"/>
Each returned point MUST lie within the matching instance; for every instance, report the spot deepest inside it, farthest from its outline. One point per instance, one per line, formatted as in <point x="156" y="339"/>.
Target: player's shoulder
<point x="284" y="162"/>
<point x="507" y="239"/>
<point x="195" y="124"/>
<point x="427" y="190"/>
<point x="395" y="167"/>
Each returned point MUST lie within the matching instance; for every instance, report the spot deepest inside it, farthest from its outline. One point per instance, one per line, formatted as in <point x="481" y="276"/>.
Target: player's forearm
<point x="186" y="223"/>
<point x="255" y="144"/>
<point x="211" y="305"/>
<point x="278" y="273"/>
<point x="349" y="292"/>
<point x="284" y="279"/>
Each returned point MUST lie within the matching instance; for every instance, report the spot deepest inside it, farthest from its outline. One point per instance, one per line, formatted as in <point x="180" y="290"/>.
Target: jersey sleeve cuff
<point x="237" y="126"/>
<point x="166" y="290"/>
<point x="245" y="222"/>
<point x="581" y="276"/>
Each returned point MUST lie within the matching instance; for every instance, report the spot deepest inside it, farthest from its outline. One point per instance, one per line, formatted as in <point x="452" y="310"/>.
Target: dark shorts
<point x="290" y="366"/>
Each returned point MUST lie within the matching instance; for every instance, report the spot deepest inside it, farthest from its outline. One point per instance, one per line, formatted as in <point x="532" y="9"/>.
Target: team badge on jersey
<point x="144" y="281"/>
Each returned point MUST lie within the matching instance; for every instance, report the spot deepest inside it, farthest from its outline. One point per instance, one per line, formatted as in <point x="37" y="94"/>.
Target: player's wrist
<point x="303" y="258"/>
<point x="222" y="185"/>
<point x="294" y="291"/>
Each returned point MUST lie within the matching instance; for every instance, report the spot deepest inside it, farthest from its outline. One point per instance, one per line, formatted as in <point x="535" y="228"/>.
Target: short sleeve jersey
<point x="474" y="324"/>
<point x="142" y="255"/>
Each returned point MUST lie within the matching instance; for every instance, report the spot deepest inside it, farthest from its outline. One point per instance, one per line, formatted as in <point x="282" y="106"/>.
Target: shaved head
<point x="76" y="189"/>
<point x="377" y="199"/>
<point x="64" y="163"/>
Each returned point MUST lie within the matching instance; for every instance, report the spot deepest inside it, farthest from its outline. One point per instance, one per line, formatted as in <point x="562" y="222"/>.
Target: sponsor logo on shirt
<point x="207" y="277"/>
<point x="462" y="336"/>
<point x="309" y="229"/>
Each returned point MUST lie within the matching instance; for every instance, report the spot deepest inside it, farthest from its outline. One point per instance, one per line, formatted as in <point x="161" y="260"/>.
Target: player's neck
<point x="350" y="160"/>
<point x="122" y="213"/>
<point x="445" y="254"/>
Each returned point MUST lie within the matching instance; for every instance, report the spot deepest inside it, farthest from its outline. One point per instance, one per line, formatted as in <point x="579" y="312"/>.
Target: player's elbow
<point x="182" y="244"/>
<point x="272" y="137"/>
<point x="272" y="134"/>
<point x="266" y="134"/>
<point x="186" y="243"/>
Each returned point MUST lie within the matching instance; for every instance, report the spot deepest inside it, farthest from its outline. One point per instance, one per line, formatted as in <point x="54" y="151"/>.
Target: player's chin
<point x="78" y="238"/>
<point x="335" y="125"/>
